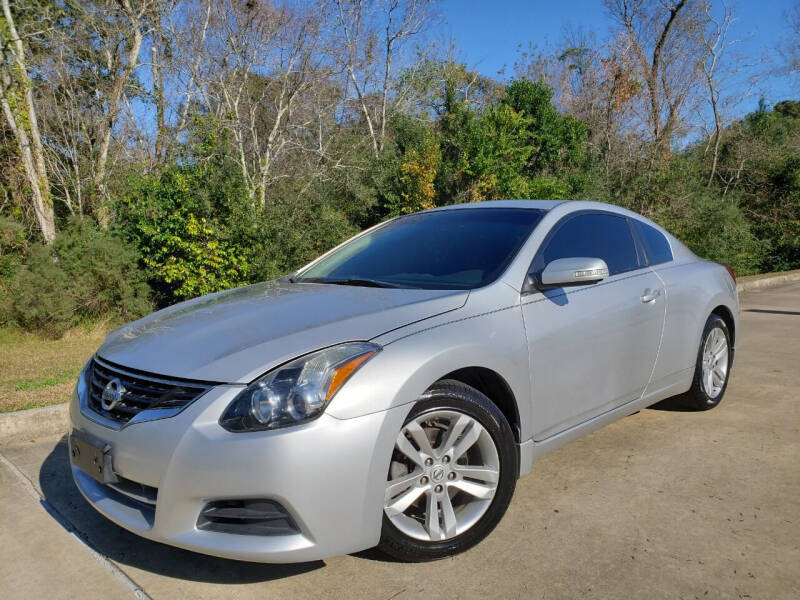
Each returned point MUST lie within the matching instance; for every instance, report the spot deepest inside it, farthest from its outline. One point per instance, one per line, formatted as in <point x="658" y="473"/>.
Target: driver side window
<point x="594" y="235"/>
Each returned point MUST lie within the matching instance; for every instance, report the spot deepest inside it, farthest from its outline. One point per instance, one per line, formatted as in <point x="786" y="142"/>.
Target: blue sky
<point x="488" y="33"/>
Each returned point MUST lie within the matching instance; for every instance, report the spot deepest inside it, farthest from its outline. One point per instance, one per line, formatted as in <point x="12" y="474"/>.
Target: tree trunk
<point x="352" y="46"/>
<point x="715" y="46"/>
<point x="159" y="96"/>
<point x="113" y="107"/>
<point x="653" y="72"/>
<point x="192" y="76"/>
<point x="42" y="207"/>
<point x="717" y="138"/>
<point x="26" y="129"/>
<point x="385" y="93"/>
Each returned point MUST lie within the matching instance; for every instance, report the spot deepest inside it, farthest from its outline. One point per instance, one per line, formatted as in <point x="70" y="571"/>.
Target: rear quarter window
<point x="655" y="244"/>
<point x="594" y="235"/>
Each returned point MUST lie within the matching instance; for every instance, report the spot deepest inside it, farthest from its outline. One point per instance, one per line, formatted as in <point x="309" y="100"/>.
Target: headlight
<point x="82" y="384"/>
<point x="297" y="391"/>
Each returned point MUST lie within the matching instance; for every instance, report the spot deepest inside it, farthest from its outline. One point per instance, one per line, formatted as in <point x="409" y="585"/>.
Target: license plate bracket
<point x="91" y="456"/>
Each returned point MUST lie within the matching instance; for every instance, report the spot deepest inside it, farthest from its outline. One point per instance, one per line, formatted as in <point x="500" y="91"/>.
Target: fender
<point x="416" y="356"/>
<point x="694" y="288"/>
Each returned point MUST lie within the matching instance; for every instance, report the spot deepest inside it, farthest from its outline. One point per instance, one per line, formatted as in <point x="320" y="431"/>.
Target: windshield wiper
<point x="356" y="281"/>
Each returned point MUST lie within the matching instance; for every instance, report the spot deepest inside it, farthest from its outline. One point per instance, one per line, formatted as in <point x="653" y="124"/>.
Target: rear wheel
<point x="452" y="475"/>
<point x="712" y="368"/>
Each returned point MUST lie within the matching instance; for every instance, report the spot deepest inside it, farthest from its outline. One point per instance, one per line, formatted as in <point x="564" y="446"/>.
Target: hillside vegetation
<point x="152" y="151"/>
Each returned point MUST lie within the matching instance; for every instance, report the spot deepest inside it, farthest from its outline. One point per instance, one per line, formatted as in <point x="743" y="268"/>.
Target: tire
<point x="418" y="533"/>
<point x="699" y="397"/>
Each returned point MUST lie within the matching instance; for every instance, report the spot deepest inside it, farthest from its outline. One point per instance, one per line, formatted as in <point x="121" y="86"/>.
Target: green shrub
<point x="712" y="223"/>
<point x="292" y="234"/>
<point x="85" y="275"/>
<point x="714" y="227"/>
<point x="760" y="161"/>
<point x="190" y="225"/>
<point x="13" y="246"/>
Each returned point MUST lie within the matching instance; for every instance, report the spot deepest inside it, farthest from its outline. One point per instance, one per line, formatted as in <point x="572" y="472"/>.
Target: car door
<point x="592" y="347"/>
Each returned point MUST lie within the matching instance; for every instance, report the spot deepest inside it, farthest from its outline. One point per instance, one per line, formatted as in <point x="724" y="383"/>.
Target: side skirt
<point x="530" y="450"/>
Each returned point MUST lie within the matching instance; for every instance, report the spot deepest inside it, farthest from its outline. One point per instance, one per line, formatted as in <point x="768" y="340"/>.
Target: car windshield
<point x="450" y="249"/>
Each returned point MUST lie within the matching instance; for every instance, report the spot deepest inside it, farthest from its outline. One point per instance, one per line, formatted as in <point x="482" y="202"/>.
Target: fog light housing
<point x="253" y="516"/>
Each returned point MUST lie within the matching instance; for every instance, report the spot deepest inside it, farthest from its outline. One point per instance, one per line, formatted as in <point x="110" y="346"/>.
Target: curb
<point x="26" y="425"/>
<point x="767" y="282"/>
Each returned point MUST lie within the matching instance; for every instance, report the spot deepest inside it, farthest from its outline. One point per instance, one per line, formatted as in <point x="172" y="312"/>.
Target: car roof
<point x="678" y="248"/>
<point x="533" y="204"/>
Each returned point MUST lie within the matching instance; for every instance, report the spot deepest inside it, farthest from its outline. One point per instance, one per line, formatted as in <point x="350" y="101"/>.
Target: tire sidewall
<point x="714" y="322"/>
<point x="461" y="398"/>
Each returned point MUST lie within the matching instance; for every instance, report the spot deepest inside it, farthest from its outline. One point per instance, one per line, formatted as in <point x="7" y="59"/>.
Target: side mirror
<point x="574" y="271"/>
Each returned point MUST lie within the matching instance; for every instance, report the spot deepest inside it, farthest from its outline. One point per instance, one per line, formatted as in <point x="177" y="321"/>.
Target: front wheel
<point x="451" y="477"/>
<point x="712" y="368"/>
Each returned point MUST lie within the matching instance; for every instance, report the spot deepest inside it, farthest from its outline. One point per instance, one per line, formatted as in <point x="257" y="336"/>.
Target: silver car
<point x="391" y="392"/>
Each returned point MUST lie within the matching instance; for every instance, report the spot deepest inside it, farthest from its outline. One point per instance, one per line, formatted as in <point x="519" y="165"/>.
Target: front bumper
<point x="329" y="474"/>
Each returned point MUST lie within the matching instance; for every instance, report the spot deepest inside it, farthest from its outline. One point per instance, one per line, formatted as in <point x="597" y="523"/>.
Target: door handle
<point x="650" y="295"/>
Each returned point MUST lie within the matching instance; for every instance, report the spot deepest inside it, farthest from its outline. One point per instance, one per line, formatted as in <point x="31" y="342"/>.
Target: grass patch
<point x="36" y="371"/>
<point x="27" y="386"/>
<point x="766" y="275"/>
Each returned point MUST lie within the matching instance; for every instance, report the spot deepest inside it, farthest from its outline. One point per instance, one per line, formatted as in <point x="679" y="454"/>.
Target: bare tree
<point x="790" y="49"/>
<point x="666" y="41"/>
<point x="572" y="68"/>
<point x="188" y="28"/>
<point x="362" y="25"/>
<point x="70" y="112"/>
<point x="66" y="127"/>
<point x="404" y="19"/>
<point x="16" y="97"/>
<point x="87" y="63"/>
<point x="351" y="19"/>
<point x="121" y="66"/>
<point x="715" y="44"/>
<point x="259" y="60"/>
<point x="595" y="82"/>
<point x="158" y="48"/>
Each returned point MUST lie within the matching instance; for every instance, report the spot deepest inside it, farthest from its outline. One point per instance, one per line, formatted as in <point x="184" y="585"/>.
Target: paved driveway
<point x="663" y="504"/>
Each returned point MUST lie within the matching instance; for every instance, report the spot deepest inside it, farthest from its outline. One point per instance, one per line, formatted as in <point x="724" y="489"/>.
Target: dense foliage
<point x="262" y="137"/>
<point x="762" y="159"/>
<point x="85" y="275"/>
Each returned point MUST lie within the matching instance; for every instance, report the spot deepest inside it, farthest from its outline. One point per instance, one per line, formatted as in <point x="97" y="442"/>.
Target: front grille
<point x="140" y="391"/>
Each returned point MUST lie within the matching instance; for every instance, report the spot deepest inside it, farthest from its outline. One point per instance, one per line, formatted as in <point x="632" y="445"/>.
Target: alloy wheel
<point x="444" y="474"/>
<point x="715" y="362"/>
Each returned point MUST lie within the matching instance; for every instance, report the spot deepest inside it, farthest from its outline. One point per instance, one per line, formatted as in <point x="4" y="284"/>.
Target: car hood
<point x="237" y="335"/>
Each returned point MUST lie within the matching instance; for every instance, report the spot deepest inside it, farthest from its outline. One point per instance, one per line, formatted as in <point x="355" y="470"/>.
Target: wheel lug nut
<point x="451" y="475"/>
<point x="424" y="480"/>
<point x="438" y="489"/>
<point x="428" y="462"/>
<point x="446" y="459"/>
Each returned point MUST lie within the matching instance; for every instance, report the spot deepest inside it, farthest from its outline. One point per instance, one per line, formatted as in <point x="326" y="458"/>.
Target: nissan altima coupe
<point x="391" y="392"/>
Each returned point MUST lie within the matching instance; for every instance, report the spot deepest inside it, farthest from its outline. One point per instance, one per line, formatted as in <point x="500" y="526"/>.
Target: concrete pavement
<point x="38" y="558"/>
<point x="663" y="504"/>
